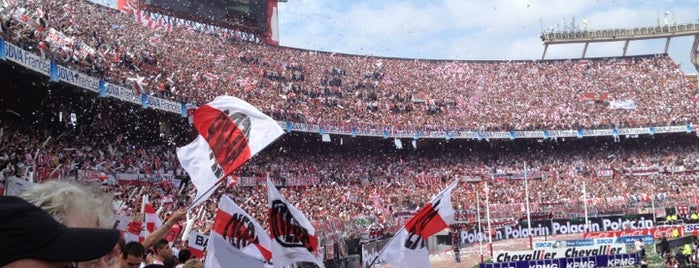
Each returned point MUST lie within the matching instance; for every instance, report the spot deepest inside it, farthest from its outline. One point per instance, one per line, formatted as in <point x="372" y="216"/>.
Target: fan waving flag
<point x="293" y="237"/>
<point x="230" y="132"/>
<point x="408" y="248"/>
<point x="235" y="233"/>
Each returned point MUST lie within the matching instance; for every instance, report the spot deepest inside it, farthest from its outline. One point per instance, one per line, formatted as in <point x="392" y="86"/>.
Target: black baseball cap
<point x="26" y="231"/>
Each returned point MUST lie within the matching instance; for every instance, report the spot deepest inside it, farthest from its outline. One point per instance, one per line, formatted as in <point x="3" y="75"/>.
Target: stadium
<point x="564" y="146"/>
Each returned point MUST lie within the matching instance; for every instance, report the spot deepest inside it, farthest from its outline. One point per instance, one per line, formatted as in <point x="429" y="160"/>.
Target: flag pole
<point x="652" y="198"/>
<point x="403" y="227"/>
<point x="384" y="247"/>
<point x="480" y="226"/>
<point x="487" y="214"/>
<point x="587" y="222"/>
<point x="223" y="178"/>
<point x="206" y="192"/>
<point x="529" y="219"/>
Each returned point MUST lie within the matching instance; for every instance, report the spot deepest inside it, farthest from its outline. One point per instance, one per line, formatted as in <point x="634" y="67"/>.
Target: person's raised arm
<point x="159" y="233"/>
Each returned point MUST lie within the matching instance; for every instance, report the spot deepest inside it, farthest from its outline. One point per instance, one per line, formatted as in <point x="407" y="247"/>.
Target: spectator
<point x="183" y="256"/>
<point x="664" y="246"/>
<point x="73" y="204"/>
<point x="192" y="263"/>
<point x="76" y="205"/>
<point x="132" y="255"/>
<point x="32" y="238"/>
<point x="162" y="251"/>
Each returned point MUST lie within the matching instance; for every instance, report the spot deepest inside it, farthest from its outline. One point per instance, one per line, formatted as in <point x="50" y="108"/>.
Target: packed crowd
<point x="347" y="188"/>
<point x="355" y="91"/>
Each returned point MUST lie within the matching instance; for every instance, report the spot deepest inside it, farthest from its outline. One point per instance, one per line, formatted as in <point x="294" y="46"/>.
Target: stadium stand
<point x="362" y="183"/>
<point x="348" y="90"/>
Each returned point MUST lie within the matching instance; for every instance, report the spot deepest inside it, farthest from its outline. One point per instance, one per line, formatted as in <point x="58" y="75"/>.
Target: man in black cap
<point x="29" y="237"/>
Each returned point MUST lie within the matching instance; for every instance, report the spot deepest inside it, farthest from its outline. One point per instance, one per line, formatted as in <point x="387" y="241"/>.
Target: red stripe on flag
<point x="427" y="222"/>
<point x="239" y="227"/>
<point x="225" y="138"/>
<point x="282" y="223"/>
<point x="196" y="252"/>
<point x="134" y="227"/>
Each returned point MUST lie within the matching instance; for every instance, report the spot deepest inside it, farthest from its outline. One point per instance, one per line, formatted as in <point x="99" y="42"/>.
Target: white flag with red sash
<point x="409" y="246"/>
<point x="293" y="237"/>
<point x="239" y="232"/>
<point x="221" y="254"/>
<point x="231" y="131"/>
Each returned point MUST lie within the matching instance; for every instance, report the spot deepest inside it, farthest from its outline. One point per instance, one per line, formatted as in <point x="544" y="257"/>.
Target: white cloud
<point x="471" y="30"/>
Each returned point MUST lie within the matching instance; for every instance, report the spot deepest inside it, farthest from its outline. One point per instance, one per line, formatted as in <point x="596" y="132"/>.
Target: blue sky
<point x="475" y="30"/>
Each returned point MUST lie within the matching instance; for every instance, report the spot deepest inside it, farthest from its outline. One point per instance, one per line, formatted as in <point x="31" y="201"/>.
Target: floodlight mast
<point x="624" y="35"/>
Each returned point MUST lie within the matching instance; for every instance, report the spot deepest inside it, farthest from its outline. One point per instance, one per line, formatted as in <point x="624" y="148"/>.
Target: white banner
<point x="557" y="253"/>
<point x="622" y="104"/>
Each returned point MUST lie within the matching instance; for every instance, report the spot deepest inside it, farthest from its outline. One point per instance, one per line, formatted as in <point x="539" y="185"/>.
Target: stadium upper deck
<point x="349" y="90"/>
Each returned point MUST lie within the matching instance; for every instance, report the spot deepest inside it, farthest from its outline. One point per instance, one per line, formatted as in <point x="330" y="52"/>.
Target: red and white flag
<point x="409" y="247"/>
<point x="221" y="254"/>
<point x="234" y="233"/>
<point x="197" y="244"/>
<point x="133" y="232"/>
<point x="293" y="237"/>
<point x="152" y="220"/>
<point x="231" y="131"/>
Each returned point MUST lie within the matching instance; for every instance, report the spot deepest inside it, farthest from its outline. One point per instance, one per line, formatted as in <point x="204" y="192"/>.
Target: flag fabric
<point x="231" y="131"/>
<point x="197" y="243"/>
<point x="121" y="223"/>
<point x="152" y="221"/>
<point x="133" y="232"/>
<point x="137" y="84"/>
<point x="220" y="253"/>
<point x="293" y="237"/>
<point x="409" y="246"/>
<point x="241" y="231"/>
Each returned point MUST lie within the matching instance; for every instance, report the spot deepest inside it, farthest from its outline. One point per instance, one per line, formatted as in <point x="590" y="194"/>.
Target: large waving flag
<point x="230" y="132"/>
<point x="234" y="233"/>
<point x="408" y="248"/>
<point x="293" y="237"/>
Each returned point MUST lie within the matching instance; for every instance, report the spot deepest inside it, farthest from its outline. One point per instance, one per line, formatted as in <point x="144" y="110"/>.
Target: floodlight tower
<point x="624" y="35"/>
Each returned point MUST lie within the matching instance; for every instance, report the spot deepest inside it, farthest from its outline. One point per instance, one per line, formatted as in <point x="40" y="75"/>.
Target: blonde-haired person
<point x="193" y="263"/>
<point x="76" y="205"/>
<point x="72" y="203"/>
